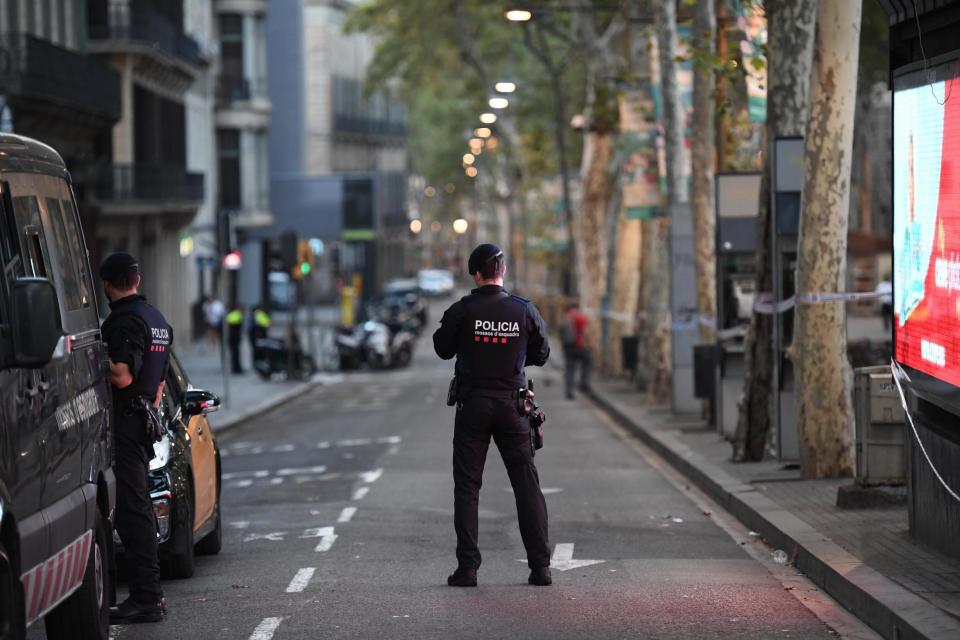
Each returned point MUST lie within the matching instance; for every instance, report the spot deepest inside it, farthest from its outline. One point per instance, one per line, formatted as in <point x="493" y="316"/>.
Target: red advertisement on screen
<point x="927" y="229"/>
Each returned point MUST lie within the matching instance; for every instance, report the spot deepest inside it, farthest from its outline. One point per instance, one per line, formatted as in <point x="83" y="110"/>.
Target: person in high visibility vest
<point x="234" y="336"/>
<point x="259" y="328"/>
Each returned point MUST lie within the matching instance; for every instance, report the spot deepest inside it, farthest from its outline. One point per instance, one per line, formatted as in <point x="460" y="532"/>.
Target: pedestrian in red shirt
<point x="573" y="333"/>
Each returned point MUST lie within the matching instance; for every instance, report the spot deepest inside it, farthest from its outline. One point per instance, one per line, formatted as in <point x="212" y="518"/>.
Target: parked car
<point x="436" y="283"/>
<point x="184" y="477"/>
<point x="399" y="297"/>
<point x="57" y="487"/>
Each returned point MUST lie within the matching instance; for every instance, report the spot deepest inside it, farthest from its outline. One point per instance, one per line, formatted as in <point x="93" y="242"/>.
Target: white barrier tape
<point x="735" y="332"/>
<point x="898" y="371"/>
<point x="764" y="304"/>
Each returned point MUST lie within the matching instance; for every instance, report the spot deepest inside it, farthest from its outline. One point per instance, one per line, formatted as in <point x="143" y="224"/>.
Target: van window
<point x="9" y="249"/>
<point x="72" y="266"/>
<point x="27" y="211"/>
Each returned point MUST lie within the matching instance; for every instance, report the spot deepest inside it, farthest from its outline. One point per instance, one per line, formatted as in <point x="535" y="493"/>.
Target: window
<point x="228" y="152"/>
<point x="72" y="267"/>
<point x="231" y="51"/>
<point x="9" y="248"/>
<point x="27" y="211"/>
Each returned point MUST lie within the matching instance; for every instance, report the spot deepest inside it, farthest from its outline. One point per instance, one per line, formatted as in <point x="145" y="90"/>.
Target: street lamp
<point x="435" y="226"/>
<point x="499" y="103"/>
<point x="488" y="118"/>
<point x="416" y="226"/>
<point x="483" y="132"/>
<point x="505" y="87"/>
<point x="518" y="15"/>
<point x="476" y="142"/>
<point x="468" y="158"/>
<point x="471" y="172"/>
<point x="460" y="226"/>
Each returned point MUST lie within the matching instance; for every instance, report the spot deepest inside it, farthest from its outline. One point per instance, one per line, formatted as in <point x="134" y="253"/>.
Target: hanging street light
<point x="468" y="158"/>
<point x="499" y="103"/>
<point x="471" y="172"/>
<point x="488" y="118"/>
<point x="505" y="87"/>
<point x="518" y="15"/>
<point x="416" y="226"/>
<point x="460" y="226"/>
<point x="483" y="132"/>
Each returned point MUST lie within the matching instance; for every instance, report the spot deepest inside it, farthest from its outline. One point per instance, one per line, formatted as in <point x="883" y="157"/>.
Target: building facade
<point x="338" y="156"/>
<point x="147" y="196"/>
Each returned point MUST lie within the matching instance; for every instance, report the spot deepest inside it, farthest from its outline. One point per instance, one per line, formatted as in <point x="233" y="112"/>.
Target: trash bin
<point x="629" y="348"/>
<point x="879" y="427"/>
<point x="704" y="371"/>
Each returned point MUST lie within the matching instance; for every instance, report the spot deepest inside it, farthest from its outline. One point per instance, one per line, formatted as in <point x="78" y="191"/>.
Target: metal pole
<point x="777" y="287"/>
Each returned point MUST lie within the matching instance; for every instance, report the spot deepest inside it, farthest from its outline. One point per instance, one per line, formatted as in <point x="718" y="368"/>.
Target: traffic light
<point x="289" y="250"/>
<point x="305" y="259"/>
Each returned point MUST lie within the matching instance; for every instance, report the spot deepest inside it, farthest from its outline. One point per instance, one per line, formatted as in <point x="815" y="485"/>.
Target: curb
<point x="891" y="610"/>
<point x="265" y="406"/>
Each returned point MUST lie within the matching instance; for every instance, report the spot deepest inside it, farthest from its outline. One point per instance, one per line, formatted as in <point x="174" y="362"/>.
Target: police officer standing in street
<point x="494" y="336"/>
<point x="138" y="340"/>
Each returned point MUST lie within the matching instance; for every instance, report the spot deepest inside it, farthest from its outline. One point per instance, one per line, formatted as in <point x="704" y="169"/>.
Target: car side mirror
<point x="197" y="402"/>
<point x="35" y="322"/>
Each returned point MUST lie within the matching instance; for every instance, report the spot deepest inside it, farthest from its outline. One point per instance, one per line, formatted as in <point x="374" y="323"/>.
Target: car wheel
<point x="85" y="615"/>
<point x="179" y="561"/>
<point x="12" y="624"/>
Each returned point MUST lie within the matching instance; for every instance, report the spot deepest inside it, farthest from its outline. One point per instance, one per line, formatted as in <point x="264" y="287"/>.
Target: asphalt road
<point x="339" y="525"/>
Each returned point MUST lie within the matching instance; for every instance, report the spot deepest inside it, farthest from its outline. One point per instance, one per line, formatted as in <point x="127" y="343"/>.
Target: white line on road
<point x="347" y="514"/>
<point x="301" y="580"/>
<point x="371" y="476"/>
<point x="276" y="481"/>
<point x="563" y="552"/>
<point x="241" y="484"/>
<point x="323" y="445"/>
<point x="326" y="535"/>
<point x="392" y="451"/>
<point x="360" y="493"/>
<point x="325" y="543"/>
<point x="283" y="448"/>
<point x="262" y="473"/>
<point x="389" y="440"/>
<point x="275" y="536"/>
<point x="239" y="524"/>
<point x="266" y="629"/>
<point x="355" y="442"/>
<point x="301" y="471"/>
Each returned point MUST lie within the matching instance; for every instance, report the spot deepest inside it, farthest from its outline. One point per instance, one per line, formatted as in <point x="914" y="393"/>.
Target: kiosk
<point x="737" y="201"/>
<point x="926" y="258"/>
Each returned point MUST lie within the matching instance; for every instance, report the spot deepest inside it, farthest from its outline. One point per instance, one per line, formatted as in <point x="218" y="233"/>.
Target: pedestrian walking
<point x="573" y="334"/>
<point x="235" y="337"/>
<point x="138" y="342"/>
<point x="493" y="336"/>
<point x="213" y="312"/>
<point x="885" y="290"/>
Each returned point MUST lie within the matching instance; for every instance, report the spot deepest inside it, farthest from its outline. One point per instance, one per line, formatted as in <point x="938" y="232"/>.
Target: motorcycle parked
<point x="376" y="343"/>
<point x="272" y="357"/>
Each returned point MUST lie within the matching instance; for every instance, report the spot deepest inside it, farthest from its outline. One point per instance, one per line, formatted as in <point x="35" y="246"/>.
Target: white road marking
<point x="256" y="451"/>
<point x="241" y="484"/>
<point x="275" y="536"/>
<point x="326" y="535"/>
<point x="301" y="471"/>
<point x="392" y="451"/>
<point x="243" y="445"/>
<point x="262" y="473"/>
<point x="562" y="558"/>
<point x="389" y="440"/>
<point x="325" y="543"/>
<point x="545" y="490"/>
<point x="276" y="481"/>
<point x="239" y="524"/>
<point x="371" y="476"/>
<point x="266" y="629"/>
<point x="323" y="445"/>
<point x="360" y="493"/>
<point x="347" y="514"/>
<point x="355" y="442"/>
<point x="301" y="580"/>
<point x="283" y="448"/>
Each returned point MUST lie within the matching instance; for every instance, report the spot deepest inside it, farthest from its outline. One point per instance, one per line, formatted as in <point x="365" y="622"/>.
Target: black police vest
<point x="156" y="352"/>
<point x="492" y="350"/>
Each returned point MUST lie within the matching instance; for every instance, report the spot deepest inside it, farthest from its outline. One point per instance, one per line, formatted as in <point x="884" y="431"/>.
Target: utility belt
<point x="140" y="407"/>
<point x="527" y="407"/>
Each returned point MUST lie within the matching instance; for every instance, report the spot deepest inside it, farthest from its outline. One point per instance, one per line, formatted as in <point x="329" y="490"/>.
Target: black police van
<point x="57" y="487"/>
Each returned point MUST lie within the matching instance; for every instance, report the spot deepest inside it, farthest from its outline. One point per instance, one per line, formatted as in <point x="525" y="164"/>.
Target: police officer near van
<point x="138" y="341"/>
<point x="493" y="335"/>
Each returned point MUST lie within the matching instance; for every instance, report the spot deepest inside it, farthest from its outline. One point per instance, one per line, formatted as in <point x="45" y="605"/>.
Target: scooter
<point x="272" y="357"/>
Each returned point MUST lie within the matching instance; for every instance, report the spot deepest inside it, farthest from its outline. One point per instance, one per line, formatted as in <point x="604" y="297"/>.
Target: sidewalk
<point x="865" y="559"/>
<point x="243" y="396"/>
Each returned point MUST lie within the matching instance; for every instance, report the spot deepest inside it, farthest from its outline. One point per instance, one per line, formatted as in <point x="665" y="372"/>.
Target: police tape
<point x="899" y="373"/>
<point x="764" y="304"/>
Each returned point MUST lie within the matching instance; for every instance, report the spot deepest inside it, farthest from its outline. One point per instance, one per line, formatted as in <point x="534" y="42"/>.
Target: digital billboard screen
<point x="926" y="221"/>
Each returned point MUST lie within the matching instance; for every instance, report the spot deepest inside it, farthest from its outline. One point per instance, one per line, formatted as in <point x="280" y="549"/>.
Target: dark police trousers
<point x="136" y="523"/>
<point x="478" y="418"/>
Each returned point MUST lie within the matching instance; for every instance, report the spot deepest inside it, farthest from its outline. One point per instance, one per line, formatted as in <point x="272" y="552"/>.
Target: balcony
<point x="144" y="189"/>
<point x="136" y="29"/>
<point x="230" y="90"/>
<point x="37" y="70"/>
<point x="363" y="126"/>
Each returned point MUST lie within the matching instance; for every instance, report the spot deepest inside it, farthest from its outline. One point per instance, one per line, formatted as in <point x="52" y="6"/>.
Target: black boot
<point x="131" y="612"/>
<point x="463" y="577"/>
<point x="540" y="577"/>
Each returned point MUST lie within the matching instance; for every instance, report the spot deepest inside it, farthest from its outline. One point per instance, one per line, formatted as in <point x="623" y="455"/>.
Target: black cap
<point x="481" y="256"/>
<point x="117" y="265"/>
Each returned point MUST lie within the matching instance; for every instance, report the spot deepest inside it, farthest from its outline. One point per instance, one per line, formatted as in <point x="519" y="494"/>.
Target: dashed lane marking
<point x="239" y="524"/>
<point x="371" y="476"/>
<point x="301" y="580"/>
<point x="327" y="537"/>
<point x="360" y="493"/>
<point x="389" y="440"/>
<point x="260" y="473"/>
<point x="242" y="484"/>
<point x="266" y="629"/>
<point x="274" y="536"/>
<point x="355" y="442"/>
<point x="299" y="471"/>
<point x="347" y="514"/>
<point x="283" y="448"/>
<point x="257" y="448"/>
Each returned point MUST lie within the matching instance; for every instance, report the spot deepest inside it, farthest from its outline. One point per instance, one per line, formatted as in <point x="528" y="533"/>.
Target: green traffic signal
<point x="305" y="268"/>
